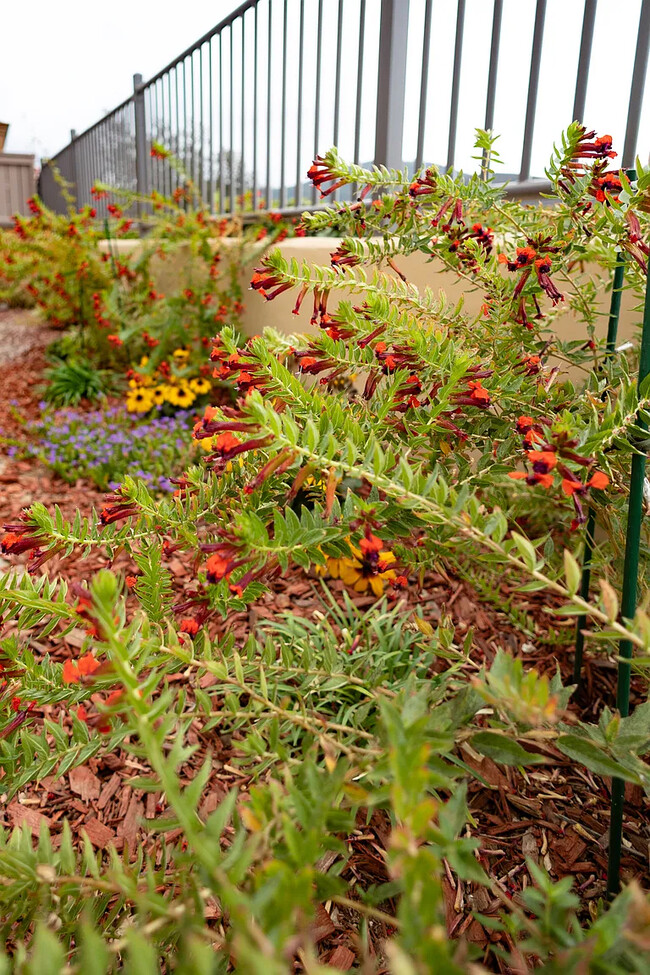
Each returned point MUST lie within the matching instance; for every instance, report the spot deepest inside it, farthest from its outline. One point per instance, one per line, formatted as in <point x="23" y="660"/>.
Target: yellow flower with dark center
<point x="200" y="386"/>
<point x="170" y="393"/>
<point x="158" y="395"/>
<point x="181" y="354"/>
<point x="359" y="573"/>
<point x="139" y="401"/>
<point x="184" y="397"/>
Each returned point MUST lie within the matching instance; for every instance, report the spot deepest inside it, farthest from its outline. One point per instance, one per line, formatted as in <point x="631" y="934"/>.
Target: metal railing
<point x="248" y="105"/>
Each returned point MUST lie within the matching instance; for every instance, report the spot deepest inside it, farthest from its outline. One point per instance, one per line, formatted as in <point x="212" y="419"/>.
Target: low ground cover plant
<point x="415" y="436"/>
<point x="104" y="445"/>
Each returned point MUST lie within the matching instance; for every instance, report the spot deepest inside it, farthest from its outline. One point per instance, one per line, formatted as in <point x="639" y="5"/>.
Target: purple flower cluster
<point x="104" y="445"/>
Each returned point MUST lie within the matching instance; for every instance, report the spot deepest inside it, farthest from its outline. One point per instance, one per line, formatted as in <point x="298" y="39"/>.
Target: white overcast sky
<point x="63" y="65"/>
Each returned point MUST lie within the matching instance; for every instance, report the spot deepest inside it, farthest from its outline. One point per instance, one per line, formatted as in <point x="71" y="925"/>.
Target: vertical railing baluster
<point x="232" y="125"/>
<point x="255" y="86"/>
<point x="222" y="175"/>
<point x="337" y="81"/>
<point x="357" y="111"/>
<point x="424" y="84"/>
<point x="319" y="58"/>
<point x="533" y="83"/>
<point x="637" y="86"/>
<point x="301" y="31"/>
<point x="269" y="78"/>
<point x="178" y="124"/>
<point x="243" y="113"/>
<point x="211" y="143"/>
<point x="140" y="140"/>
<point x="455" y="84"/>
<point x="192" y="136"/>
<point x="201" y="126"/>
<point x="391" y="83"/>
<point x="490" y="99"/>
<point x="170" y="144"/>
<point x="584" y="60"/>
<point x="283" y="115"/>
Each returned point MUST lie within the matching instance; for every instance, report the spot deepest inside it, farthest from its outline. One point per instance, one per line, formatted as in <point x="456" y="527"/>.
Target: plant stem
<point x="628" y="609"/>
<point x="612" y="332"/>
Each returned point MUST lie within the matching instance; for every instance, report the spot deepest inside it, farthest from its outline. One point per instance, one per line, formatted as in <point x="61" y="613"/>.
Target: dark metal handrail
<point x="241" y="144"/>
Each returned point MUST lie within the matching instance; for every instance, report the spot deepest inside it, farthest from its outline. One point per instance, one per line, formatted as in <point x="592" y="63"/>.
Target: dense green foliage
<point x="351" y="714"/>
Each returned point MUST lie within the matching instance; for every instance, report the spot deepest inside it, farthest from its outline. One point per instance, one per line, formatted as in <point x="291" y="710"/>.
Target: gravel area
<point x="20" y="332"/>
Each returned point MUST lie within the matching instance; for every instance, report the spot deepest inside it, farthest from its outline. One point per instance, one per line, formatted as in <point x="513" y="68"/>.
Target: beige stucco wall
<point x="177" y="269"/>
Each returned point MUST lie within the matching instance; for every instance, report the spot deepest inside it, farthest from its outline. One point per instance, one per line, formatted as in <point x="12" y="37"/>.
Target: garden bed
<point x="302" y="693"/>
<point x="556" y="816"/>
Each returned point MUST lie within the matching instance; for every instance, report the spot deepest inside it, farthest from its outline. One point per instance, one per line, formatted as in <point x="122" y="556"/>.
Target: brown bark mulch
<point x="556" y="814"/>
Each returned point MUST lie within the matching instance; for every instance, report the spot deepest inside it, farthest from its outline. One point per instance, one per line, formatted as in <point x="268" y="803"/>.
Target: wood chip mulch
<point x="556" y="814"/>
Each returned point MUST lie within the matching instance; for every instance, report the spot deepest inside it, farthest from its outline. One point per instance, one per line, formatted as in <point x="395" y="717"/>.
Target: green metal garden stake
<point x="612" y="332"/>
<point x="628" y="608"/>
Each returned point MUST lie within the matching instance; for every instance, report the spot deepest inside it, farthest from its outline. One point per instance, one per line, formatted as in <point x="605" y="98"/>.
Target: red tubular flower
<point x="524" y="257"/>
<point x="217" y="567"/>
<point x="299" y="300"/>
<point x="424" y="185"/>
<point x="18" y="539"/>
<point x="320" y="173"/>
<point x="118" y="508"/>
<point x="544" y="480"/>
<point x="264" y="279"/>
<point x="600" y="148"/>
<point x="74" y="670"/>
<point x="634" y="244"/>
<point x="312" y="365"/>
<point x="189" y="626"/>
<point x="319" y="314"/>
<point x="606" y="183"/>
<point x="598" y="480"/>
<point x="400" y="582"/>
<point x="475" y="395"/>
<point x="342" y="257"/>
<point x="456" y="206"/>
<point x="542" y="268"/>
<point x="16" y="722"/>
<point x="362" y="343"/>
<point x="524" y="424"/>
<point x="543" y="461"/>
<point x="370" y="545"/>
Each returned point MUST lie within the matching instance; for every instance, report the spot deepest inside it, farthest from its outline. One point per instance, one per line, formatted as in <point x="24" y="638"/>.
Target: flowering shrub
<point x="464" y="445"/>
<point x="175" y="384"/>
<point x="104" y="445"/>
<point x="75" y="270"/>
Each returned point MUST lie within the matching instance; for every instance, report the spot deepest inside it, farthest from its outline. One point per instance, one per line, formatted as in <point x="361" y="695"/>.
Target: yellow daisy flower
<point x="139" y="401"/>
<point x="357" y="573"/>
<point x="184" y="397"/>
<point x="158" y="395"/>
<point x="181" y="354"/>
<point x="200" y="386"/>
<point x="360" y="576"/>
<point x="170" y="393"/>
